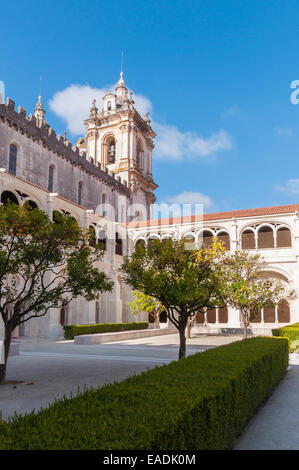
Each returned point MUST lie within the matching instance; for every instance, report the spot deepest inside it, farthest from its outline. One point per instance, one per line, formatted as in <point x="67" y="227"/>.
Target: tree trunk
<point x="3" y="367"/>
<point x="182" y="329"/>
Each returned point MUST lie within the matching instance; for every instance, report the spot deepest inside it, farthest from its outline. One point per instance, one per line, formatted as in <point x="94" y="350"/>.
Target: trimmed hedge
<point x="200" y="402"/>
<point x="74" y="330"/>
<point x="291" y="332"/>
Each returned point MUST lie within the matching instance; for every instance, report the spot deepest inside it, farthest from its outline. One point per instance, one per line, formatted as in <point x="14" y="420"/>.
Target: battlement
<point x="46" y="136"/>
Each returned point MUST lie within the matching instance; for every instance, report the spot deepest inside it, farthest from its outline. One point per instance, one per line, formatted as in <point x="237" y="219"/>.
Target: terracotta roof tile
<point x="216" y="216"/>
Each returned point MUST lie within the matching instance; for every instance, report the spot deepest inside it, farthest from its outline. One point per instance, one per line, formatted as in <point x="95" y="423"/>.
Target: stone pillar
<point x="50" y="204"/>
<point x="234" y="236"/>
<point x="276" y="313"/>
<point x="233" y="318"/>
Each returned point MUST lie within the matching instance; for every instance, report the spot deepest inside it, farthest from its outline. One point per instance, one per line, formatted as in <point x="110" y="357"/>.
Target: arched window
<point x="56" y="217"/>
<point x="283" y="312"/>
<point x="265" y="237"/>
<point x="51" y="179"/>
<point x="211" y="315"/>
<point x="31" y="204"/>
<point x="140" y="243"/>
<point x="102" y="240"/>
<point x="223" y="314"/>
<point x="190" y="241"/>
<point x="80" y="186"/>
<point x="200" y="318"/>
<point x="207" y="238"/>
<point x="12" y="164"/>
<point x="109" y="106"/>
<point x="224" y="237"/>
<point x="269" y="314"/>
<point x="284" y="238"/>
<point x="62" y="316"/>
<point x="248" y="241"/>
<point x="92" y="236"/>
<point x="139" y="156"/>
<point x="8" y="196"/>
<point x="258" y="318"/>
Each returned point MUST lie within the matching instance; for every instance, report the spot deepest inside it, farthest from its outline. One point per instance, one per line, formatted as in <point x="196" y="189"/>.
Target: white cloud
<point x="73" y="103"/>
<point x="291" y="186"/>
<point x="191" y="197"/>
<point x="185" y="203"/>
<point x="173" y="144"/>
<point x="283" y="131"/>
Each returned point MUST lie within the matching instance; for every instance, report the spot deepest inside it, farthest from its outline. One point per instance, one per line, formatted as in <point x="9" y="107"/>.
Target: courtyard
<point x="49" y="369"/>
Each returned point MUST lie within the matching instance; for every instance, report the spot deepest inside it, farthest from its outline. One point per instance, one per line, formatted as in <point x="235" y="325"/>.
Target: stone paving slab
<point x="275" y="426"/>
<point x="50" y="369"/>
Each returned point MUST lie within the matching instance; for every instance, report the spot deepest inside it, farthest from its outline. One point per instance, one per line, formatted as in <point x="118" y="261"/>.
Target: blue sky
<point x="215" y="75"/>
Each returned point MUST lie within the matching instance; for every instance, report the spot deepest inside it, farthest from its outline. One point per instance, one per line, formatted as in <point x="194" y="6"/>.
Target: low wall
<point x="122" y="335"/>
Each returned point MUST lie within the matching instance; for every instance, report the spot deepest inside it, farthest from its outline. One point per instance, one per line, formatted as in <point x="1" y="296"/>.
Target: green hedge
<point x="74" y="330"/>
<point x="200" y="402"/>
<point x="291" y="332"/>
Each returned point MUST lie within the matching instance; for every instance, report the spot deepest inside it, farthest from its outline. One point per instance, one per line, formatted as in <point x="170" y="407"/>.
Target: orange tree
<point x="184" y="281"/>
<point x="43" y="264"/>
<point x="245" y="289"/>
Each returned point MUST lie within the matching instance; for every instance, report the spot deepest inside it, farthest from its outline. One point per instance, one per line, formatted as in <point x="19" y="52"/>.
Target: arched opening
<point x="8" y="196"/>
<point x="269" y="314"/>
<point x="190" y="241"/>
<point x="139" y="156"/>
<point x="207" y="238"/>
<point x="92" y="236"/>
<point x="56" y="216"/>
<point x="102" y="240"/>
<point x="211" y="315"/>
<point x="248" y="241"/>
<point x="200" y="318"/>
<point x="140" y="243"/>
<point x="80" y="187"/>
<point x="31" y="204"/>
<point x="109" y="149"/>
<point x="258" y="318"/>
<point x="284" y="239"/>
<point x="118" y="245"/>
<point x="265" y="237"/>
<point x="62" y="316"/>
<point x="283" y="312"/>
<point x="223" y="314"/>
<point x="51" y="179"/>
<point x="12" y="163"/>
<point x="224" y="237"/>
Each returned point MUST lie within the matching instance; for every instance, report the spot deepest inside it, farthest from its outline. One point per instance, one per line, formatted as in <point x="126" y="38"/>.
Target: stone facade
<point x="106" y="182"/>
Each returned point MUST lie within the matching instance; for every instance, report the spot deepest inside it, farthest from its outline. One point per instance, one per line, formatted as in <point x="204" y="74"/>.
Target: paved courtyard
<point x="50" y="369"/>
<point x="276" y="424"/>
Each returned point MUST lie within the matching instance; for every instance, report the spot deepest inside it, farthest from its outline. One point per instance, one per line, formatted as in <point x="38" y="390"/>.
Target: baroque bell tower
<point x="121" y="140"/>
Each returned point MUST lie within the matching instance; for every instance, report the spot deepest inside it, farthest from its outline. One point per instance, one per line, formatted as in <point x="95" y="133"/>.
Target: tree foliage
<point x="43" y="264"/>
<point x="245" y="289"/>
<point x="183" y="281"/>
<point x="146" y="303"/>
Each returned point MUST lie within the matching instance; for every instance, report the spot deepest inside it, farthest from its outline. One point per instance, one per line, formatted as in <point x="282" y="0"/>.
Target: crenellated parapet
<point x="45" y="136"/>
